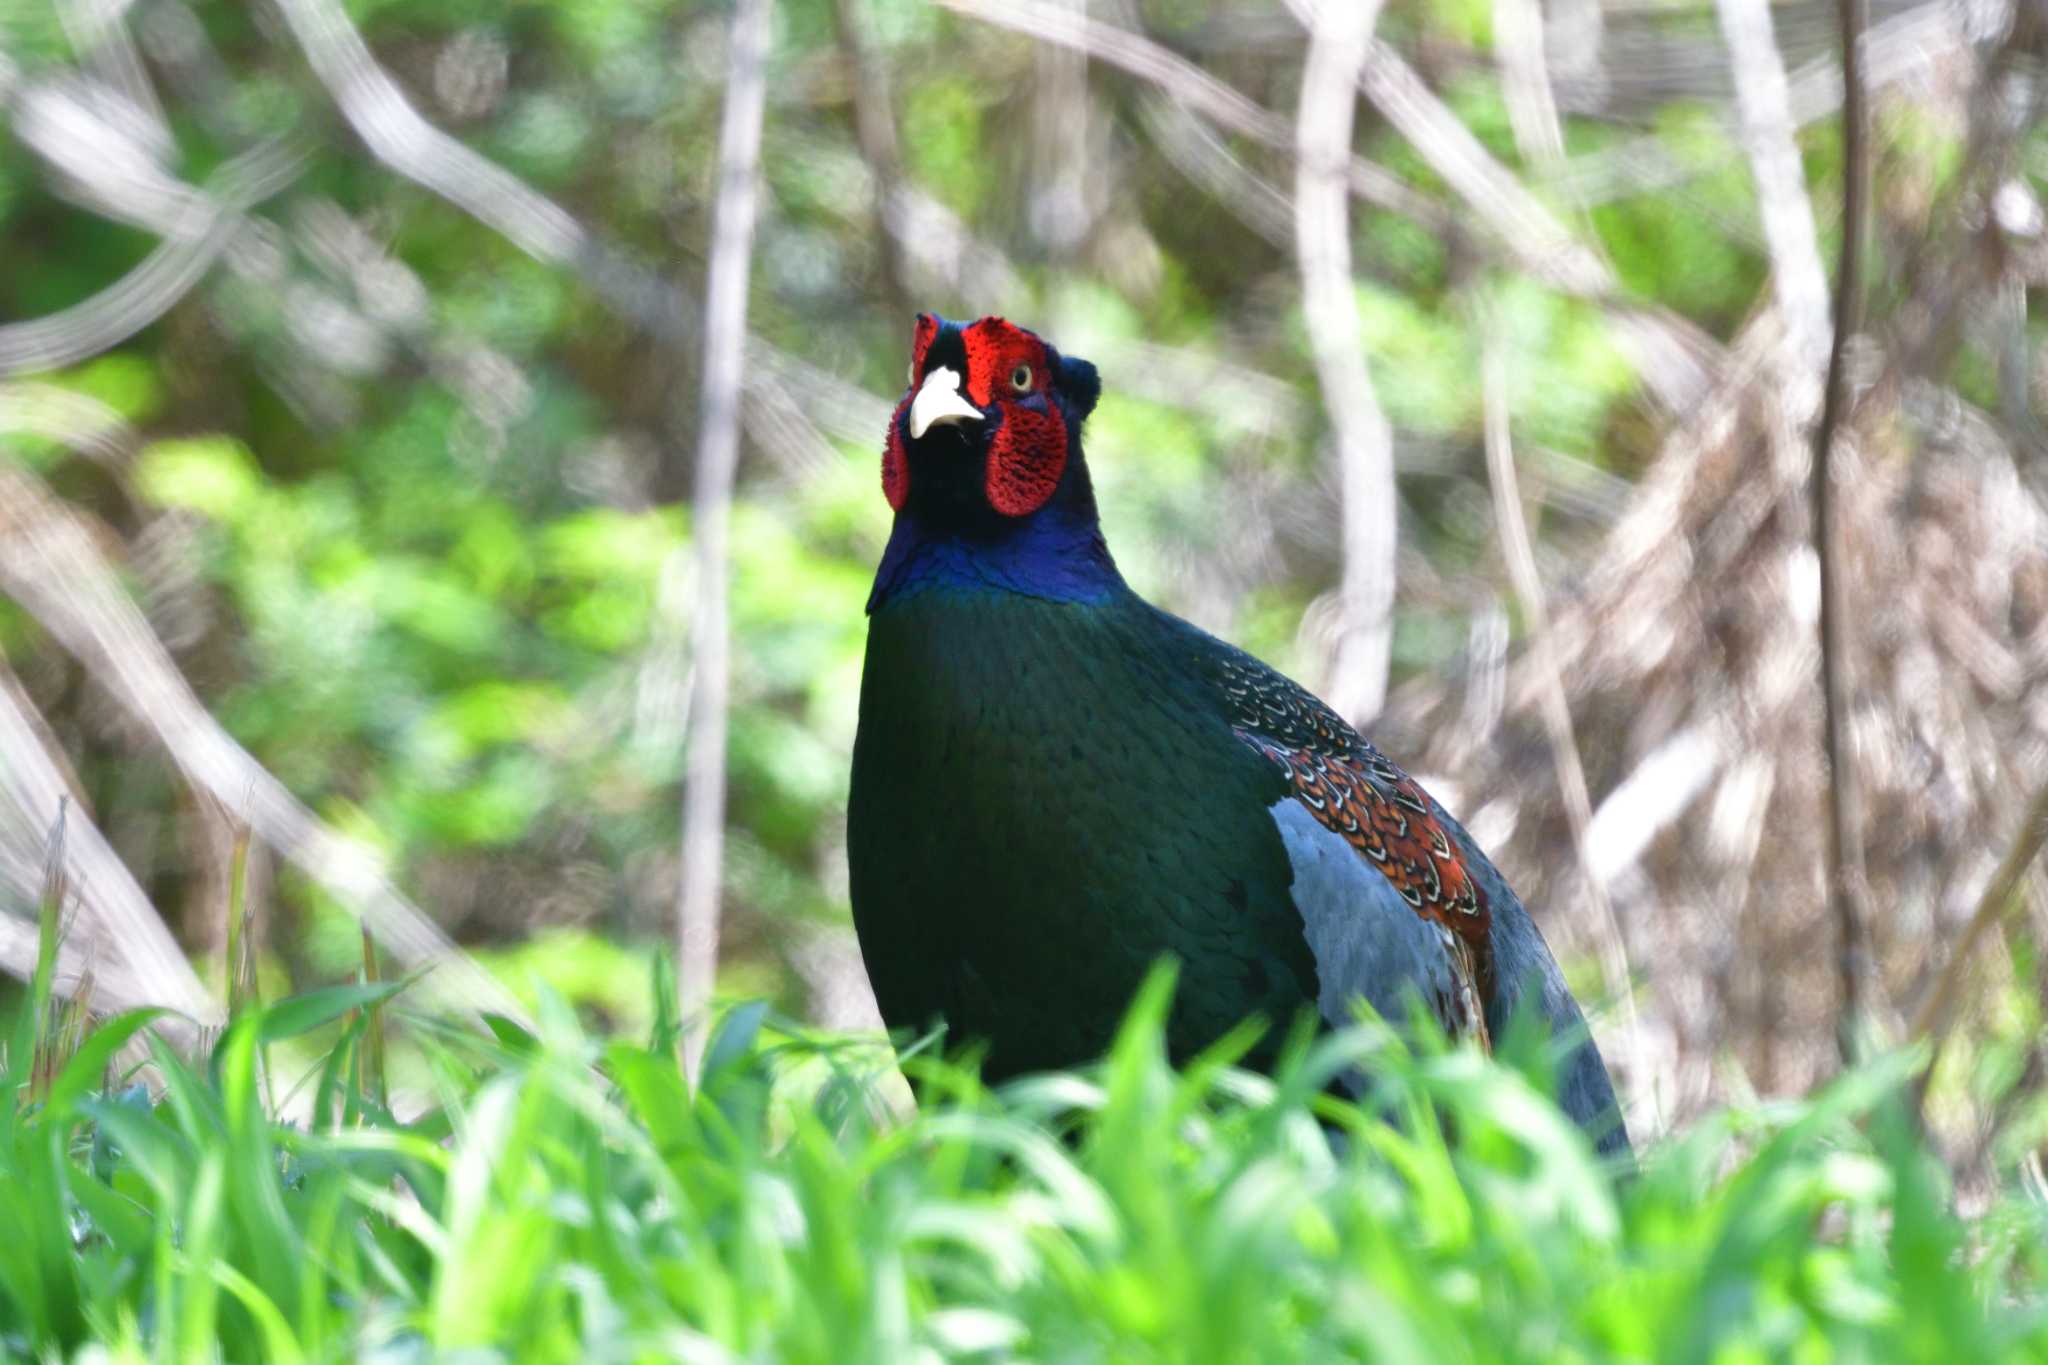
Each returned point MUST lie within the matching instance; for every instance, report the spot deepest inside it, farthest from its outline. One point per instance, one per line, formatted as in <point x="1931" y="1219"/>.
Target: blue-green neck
<point x="1057" y="553"/>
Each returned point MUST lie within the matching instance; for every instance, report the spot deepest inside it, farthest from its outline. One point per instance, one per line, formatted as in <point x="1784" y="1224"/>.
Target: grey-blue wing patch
<point x="1367" y="939"/>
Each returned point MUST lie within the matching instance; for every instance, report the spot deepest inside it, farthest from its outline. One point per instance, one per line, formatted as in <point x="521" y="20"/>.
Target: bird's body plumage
<point x="1056" y="783"/>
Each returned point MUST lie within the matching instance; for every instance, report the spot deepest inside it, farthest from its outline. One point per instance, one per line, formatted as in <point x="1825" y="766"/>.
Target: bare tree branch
<point x="396" y="133"/>
<point x="1799" y="280"/>
<point x="1525" y="82"/>
<point x="1664" y="345"/>
<point x="947" y="250"/>
<point x="1192" y="146"/>
<point x="134" y="956"/>
<point x="718" y="448"/>
<point x="1520" y="556"/>
<point x="100" y="38"/>
<point x="1655" y="793"/>
<point x="1998" y="899"/>
<point x="1903" y="47"/>
<point x="1192" y="86"/>
<point x="104" y="151"/>
<point x="1543" y="245"/>
<point x="200" y="225"/>
<point x="1846" y="891"/>
<point x="1673" y="357"/>
<point x="399" y="137"/>
<point x="1523" y="223"/>
<point x="405" y="141"/>
<point x="1337" y="48"/>
<point x="59" y="414"/>
<point x="49" y="565"/>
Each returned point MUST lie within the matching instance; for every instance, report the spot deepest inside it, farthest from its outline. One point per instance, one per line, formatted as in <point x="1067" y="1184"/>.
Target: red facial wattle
<point x="895" y="459"/>
<point x="1029" y="452"/>
<point x="1025" y="460"/>
<point x="1010" y="371"/>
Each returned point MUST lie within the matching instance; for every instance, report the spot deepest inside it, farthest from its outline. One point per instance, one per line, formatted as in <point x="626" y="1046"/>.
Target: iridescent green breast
<point x="1046" y="798"/>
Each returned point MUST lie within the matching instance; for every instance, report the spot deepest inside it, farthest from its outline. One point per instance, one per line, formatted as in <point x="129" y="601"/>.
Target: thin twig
<point x="718" y="447"/>
<point x="400" y="137"/>
<point x="1533" y="236"/>
<point x="1524" y="224"/>
<point x="1365" y="443"/>
<point x="1655" y="793"/>
<point x="1668" y="351"/>
<point x="1520" y="556"/>
<point x="1999" y="899"/>
<point x="1844" y="814"/>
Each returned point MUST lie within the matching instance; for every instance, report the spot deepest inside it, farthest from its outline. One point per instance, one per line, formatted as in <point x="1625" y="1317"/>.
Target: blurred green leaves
<point x="214" y="475"/>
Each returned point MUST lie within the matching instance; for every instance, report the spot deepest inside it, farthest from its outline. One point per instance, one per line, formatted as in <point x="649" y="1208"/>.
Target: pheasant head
<point x="989" y="424"/>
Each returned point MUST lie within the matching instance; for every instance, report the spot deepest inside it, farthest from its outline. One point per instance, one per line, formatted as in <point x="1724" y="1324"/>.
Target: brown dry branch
<point x="2000" y="899"/>
<point x="1799" y="285"/>
<point x="1520" y="557"/>
<point x="1847" y="892"/>
<point x="1688" y="650"/>
<point x="718" y="449"/>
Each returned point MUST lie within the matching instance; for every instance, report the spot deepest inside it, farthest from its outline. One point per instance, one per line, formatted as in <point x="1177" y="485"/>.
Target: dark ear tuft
<point x="1081" y="385"/>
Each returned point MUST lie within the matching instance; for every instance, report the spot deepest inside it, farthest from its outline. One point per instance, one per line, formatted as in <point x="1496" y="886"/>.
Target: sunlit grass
<point x="554" y="1196"/>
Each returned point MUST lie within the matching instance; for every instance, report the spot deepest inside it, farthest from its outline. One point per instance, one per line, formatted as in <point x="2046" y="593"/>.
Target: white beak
<point x="939" y="400"/>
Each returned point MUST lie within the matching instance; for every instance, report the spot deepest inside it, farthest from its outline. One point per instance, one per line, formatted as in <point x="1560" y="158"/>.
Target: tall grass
<point x="559" y="1197"/>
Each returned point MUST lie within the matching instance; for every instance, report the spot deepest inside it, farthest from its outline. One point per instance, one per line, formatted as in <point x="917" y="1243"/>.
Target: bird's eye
<point x="1020" y="378"/>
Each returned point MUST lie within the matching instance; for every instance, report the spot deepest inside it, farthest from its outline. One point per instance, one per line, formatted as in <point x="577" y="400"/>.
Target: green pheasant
<point x="1055" y="783"/>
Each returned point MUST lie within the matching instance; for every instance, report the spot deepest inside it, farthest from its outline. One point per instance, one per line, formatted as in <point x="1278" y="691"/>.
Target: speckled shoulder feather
<point x="1356" y="791"/>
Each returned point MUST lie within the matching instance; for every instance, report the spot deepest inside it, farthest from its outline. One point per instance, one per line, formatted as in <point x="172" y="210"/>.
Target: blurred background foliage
<point x="394" y="455"/>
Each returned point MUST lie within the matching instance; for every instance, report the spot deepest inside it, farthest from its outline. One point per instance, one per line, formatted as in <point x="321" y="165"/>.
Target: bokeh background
<point x="359" y="361"/>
